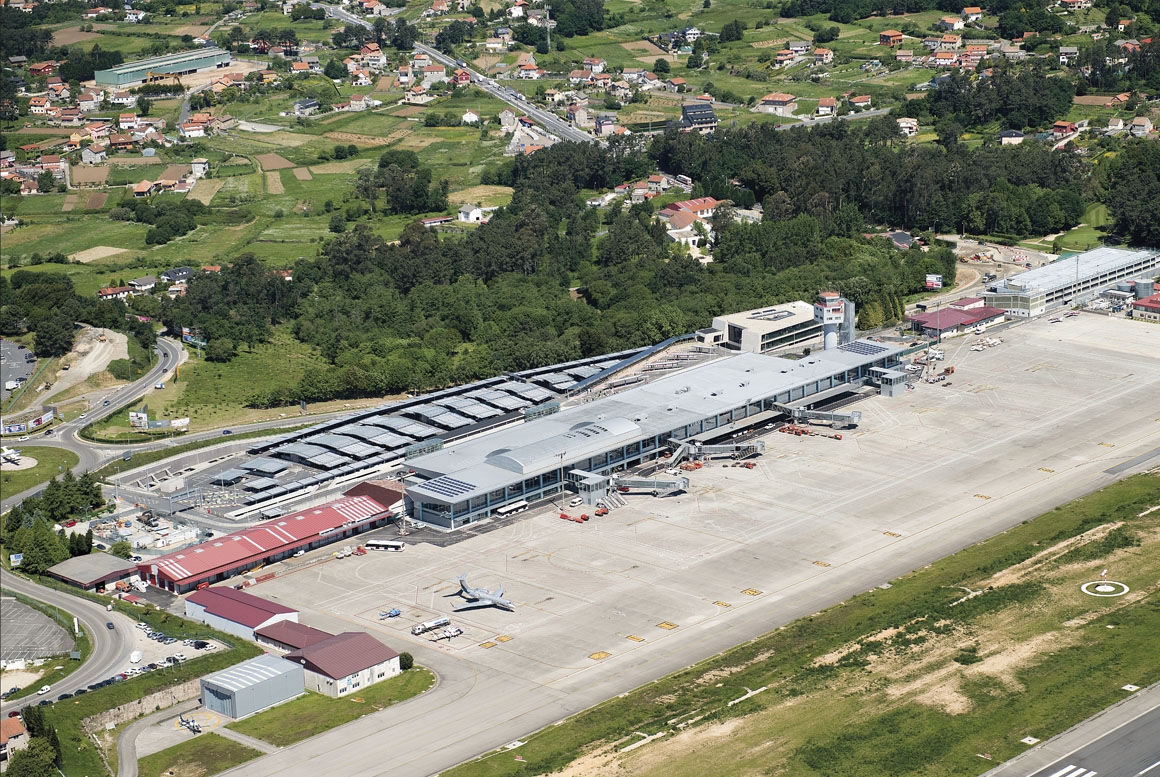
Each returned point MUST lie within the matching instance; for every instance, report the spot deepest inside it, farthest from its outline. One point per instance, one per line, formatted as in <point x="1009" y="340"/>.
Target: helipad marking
<point x="751" y="592"/>
<point x="600" y="655"/>
<point x="666" y="625"/>
<point x="504" y="638"/>
<point x="488" y="644"/>
<point x="635" y="638"/>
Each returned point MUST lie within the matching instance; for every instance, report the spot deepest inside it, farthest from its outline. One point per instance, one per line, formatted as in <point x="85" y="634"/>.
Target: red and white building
<point x="235" y="612"/>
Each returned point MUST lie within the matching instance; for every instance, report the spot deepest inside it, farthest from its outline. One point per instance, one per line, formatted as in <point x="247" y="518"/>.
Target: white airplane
<point x="10" y="455"/>
<point x="481" y="597"/>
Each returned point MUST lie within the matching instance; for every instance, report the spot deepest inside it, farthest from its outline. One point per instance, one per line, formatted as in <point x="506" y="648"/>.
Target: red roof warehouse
<point x="953" y="320"/>
<point x="274" y="540"/>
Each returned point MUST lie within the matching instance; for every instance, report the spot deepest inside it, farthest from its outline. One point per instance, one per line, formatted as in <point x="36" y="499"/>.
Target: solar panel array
<point x="863" y="348"/>
<point x="448" y="486"/>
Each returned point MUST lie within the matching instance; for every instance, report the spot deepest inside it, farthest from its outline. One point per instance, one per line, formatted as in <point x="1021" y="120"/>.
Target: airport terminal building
<point x="1074" y="279"/>
<point x="471" y="480"/>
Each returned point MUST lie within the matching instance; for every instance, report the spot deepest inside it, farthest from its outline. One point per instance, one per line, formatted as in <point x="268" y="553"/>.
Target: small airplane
<point x="450" y="633"/>
<point x="481" y="597"/>
<point x="10" y="456"/>
<point x="394" y="612"/>
<point x="192" y="725"/>
<point x="1055" y="319"/>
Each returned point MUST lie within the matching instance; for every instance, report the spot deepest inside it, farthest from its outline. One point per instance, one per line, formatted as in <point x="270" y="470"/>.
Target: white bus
<point x="385" y="545"/>
<point x="512" y="509"/>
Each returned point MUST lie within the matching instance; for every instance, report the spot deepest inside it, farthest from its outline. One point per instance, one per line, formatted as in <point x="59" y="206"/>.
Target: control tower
<point x="835" y="313"/>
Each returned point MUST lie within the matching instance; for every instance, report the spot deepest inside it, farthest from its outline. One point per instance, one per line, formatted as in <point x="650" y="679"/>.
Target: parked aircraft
<point x="481" y="597"/>
<point x="193" y="726"/>
<point x="10" y="456"/>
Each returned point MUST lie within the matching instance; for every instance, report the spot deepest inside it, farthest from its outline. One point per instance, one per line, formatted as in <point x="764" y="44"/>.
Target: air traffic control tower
<point x="836" y="315"/>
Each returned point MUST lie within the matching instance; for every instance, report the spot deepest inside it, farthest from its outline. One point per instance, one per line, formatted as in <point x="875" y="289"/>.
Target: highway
<point x="111" y="649"/>
<point x="549" y="121"/>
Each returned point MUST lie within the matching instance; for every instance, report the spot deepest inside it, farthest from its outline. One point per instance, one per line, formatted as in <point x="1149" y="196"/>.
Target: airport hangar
<point x="582" y="445"/>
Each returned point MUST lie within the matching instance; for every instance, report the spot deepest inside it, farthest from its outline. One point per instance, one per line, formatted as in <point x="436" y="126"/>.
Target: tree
<point x="54" y="336"/>
<point x="732" y="31"/>
<point x="121" y="549"/>
<point x="36" y="760"/>
<point x="220" y="349"/>
<point x="406" y="661"/>
<point x="661" y="66"/>
<point x="338" y="223"/>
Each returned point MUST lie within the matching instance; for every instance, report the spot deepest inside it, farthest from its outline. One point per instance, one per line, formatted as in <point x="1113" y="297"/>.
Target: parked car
<point x="44" y="690"/>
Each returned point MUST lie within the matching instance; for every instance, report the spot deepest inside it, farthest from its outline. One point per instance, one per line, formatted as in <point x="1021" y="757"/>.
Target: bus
<point x="512" y="509"/>
<point x="684" y="179"/>
<point x="394" y="545"/>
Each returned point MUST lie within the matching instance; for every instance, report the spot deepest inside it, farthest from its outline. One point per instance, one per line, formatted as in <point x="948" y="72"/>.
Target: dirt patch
<point x="274" y="162"/>
<point x="176" y="172"/>
<point x="416" y="143"/>
<point x="643" y="45"/>
<point x="274" y="183"/>
<point x="1092" y="99"/>
<point x="358" y="140"/>
<point x="196" y="30"/>
<point x="486" y="196"/>
<point x="88" y="357"/>
<point x="204" y="190"/>
<point x="97" y="200"/>
<point x="70" y="202"/>
<point x="385" y="83"/>
<point x="346" y="166"/>
<point x="72" y="35"/>
<point x="89" y="176"/>
<point x="1018" y="572"/>
<point x="133" y="161"/>
<point x="303" y="174"/>
<point x="95" y="253"/>
<point x="410" y="110"/>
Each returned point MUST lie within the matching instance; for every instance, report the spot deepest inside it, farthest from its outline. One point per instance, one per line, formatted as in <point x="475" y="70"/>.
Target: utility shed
<point x="92" y="571"/>
<point x="252" y="686"/>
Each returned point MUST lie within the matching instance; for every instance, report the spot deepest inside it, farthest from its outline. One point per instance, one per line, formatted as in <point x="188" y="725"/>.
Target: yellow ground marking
<point x="751" y="592"/>
<point x="600" y="655"/>
<point x="666" y="625"/>
<point x="488" y="644"/>
<point x="504" y="638"/>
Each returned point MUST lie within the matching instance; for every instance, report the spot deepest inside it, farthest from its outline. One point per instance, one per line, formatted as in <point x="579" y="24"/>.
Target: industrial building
<point x="288" y="635"/>
<point x="582" y="445"/>
<point x="252" y="686"/>
<point x="346" y="662"/>
<point x="183" y="63"/>
<point x="960" y="317"/>
<point x="92" y="571"/>
<point x="273" y="540"/>
<point x="235" y="612"/>
<point x="1147" y="309"/>
<point x="1071" y="280"/>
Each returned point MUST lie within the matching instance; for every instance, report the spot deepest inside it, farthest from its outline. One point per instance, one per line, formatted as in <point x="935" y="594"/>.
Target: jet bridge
<point x="698" y="450"/>
<point x="658" y="486"/>
<point x="838" y="420"/>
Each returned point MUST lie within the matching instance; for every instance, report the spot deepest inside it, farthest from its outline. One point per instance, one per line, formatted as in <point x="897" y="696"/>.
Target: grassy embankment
<point x="916" y="679"/>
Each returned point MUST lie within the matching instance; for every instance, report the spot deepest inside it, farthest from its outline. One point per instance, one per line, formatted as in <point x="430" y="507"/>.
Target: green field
<point x="50" y="462"/>
<point x="206" y="754"/>
<point x="314" y="713"/>
<point x="902" y="680"/>
<point x="1090" y="234"/>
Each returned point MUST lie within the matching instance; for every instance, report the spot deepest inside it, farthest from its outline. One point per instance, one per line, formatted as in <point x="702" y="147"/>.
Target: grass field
<point x="206" y="754"/>
<point x="50" y="462"/>
<point x="314" y="713"/>
<point x="915" y="679"/>
<point x="1089" y="234"/>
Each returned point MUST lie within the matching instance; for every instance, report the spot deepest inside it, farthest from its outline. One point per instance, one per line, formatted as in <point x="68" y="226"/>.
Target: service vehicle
<point x="431" y="625"/>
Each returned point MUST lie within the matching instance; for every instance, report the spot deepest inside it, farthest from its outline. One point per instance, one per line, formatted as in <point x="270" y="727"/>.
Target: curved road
<point x="111" y="649"/>
<point x="127" y="741"/>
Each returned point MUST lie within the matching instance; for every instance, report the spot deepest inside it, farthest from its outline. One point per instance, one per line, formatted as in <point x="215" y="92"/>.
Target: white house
<point x="470" y="214"/>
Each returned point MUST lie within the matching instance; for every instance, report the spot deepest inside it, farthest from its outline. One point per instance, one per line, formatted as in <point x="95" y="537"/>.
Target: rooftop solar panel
<point x="448" y="486"/>
<point x="261" y="484"/>
<point x="863" y="348"/>
<point x="265" y="466"/>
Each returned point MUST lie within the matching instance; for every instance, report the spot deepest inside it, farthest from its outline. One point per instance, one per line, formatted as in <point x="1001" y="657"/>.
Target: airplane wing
<point x="475" y="605"/>
<point x="498" y="592"/>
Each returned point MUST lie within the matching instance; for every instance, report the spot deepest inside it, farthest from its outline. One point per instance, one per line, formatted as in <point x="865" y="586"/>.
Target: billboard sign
<point x="162" y="423"/>
<point x="934" y="281"/>
<point x="15" y="428"/>
<point x="180" y="423"/>
<point x="40" y="421"/>
<point x="139" y="420"/>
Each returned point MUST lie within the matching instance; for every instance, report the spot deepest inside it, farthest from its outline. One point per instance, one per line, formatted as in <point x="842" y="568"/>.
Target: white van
<point x="576" y="502"/>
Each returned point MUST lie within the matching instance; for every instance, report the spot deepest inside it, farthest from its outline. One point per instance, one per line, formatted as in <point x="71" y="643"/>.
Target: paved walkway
<point x="248" y="741"/>
<point x="1062" y="745"/>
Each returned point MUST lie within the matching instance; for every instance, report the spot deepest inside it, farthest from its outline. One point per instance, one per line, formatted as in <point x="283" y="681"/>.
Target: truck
<point x="10" y="385"/>
<point x="431" y="625"/>
<point x="135" y="657"/>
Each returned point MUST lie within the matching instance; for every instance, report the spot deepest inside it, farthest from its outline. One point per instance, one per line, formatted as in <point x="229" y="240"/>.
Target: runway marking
<point x="1045" y="469"/>
<point x="666" y="625"/>
<point x="1029" y="741"/>
<point x="892" y="534"/>
<point x="1130" y="688"/>
<point x="821" y="563"/>
<point x="981" y="496"/>
<point x="488" y="644"/>
<point x="723" y="604"/>
<point x="504" y="638"/>
<point x="1150" y="768"/>
<point x="1108" y="444"/>
<point x="600" y="655"/>
<point x="751" y="592"/>
<point x="1073" y="771"/>
<point x="635" y="638"/>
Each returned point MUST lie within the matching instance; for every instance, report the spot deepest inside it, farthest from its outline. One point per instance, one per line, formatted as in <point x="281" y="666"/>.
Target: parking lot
<point x="30" y="634"/>
<point x="1019" y="427"/>
<point x="14" y="365"/>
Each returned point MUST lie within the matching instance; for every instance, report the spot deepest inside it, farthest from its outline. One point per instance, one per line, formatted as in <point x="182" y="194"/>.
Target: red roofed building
<point x="346" y="662"/>
<point x="288" y="635"/>
<point x="1147" y="309"/>
<point x="229" y="555"/>
<point x="702" y="207"/>
<point x="948" y="322"/>
<point x="13" y="736"/>
<point x="235" y="612"/>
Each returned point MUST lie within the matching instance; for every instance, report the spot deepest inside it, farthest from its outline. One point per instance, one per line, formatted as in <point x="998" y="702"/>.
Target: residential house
<point x="7" y="159"/>
<point x="677" y="85"/>
<point x="87" y="101"/>
<point x="943" y="59"/>
<point x="372" y="56"/>
<point x="595" y="64"/>
<point x="127" y="121"/>
<point x="827" y="106"/>
<point x="1010" y="137"/>
<point x="621" y="90"/>
<point x="417" y="95"/>
<point x="460" y="77"/>
<point x="193" y="129"/>
<point x="950" y="42"/>
<point x="658" y="184"/>
<point x="932" y="44"/>
<point x="860" y="102"/>
<point x="119" y="141"/>
<point x="13" y="737"/>
<point x="1140" y="126"/>
<point x="507" y="120"/>
<point x="904" y="55"/>
<point x="307" y="107"/>
<point x="908" y="127"/>
<point x="144" y="284"/>
<point x="823" y="56"/>
<point x="577" y="115"/>
<point x="358" y="102"/>
<point x="126" y="99"/>
<point x="577" y="77"/>
<point x="43" y="68"/>
<point x="38" y="106"/>
<point x="784" y="57"/>
<point x="1115" y="124"/>
<point x="363" y="78"/>
<point x="54" y="163"/>
<point x="470" y="214"/>
<point x="469" y="117"/>
<point x="299" y="68"/>
<point x="134" y="15"/>
<point x="59" y="92"/>
<point x="633" y="75"/>
<point x="434" y="74"/>
<point x="1062" y="129"/>
<point x="199" y="168"/>
<point x="798" y="47"/>
<point x="1068" y="54"/>
<point x="949" y="23"/>
<point x="698" y="117"/>
<point x="526" y="58"/>
<point x="890" y="38"/>
<point x="405" y="76"/>
<point x="517" y="9"/>
<point x="530" y="72"/>
<point x="682" y="229"/>
<point x="177" y="274"/>
<point x="650" y="80"/>
<point x="115" y="292"/>
<point x="495" y="45"/>
<point x="703" y="207"/>
<point x="972" y="13"/>
<point x="94" y="154"/>
<point x="777" y="103"/>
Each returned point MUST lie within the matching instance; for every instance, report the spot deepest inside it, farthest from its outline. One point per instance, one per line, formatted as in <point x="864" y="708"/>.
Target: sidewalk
<point x="1060" y="746"/>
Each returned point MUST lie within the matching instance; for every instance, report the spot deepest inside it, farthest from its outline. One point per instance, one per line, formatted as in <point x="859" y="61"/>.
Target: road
<point x="1121" y="741"/>
<point x="111" y="649"/>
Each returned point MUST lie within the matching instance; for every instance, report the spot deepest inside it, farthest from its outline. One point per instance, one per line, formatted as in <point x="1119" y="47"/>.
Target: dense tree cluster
<point x="1017" y="97"/>
<point x="79" y="65"/>
<point x="1132" y="184"/>
<point x="24" y="33"/>
<point x="41" y="758"/>
<point x="28" y="527"/>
